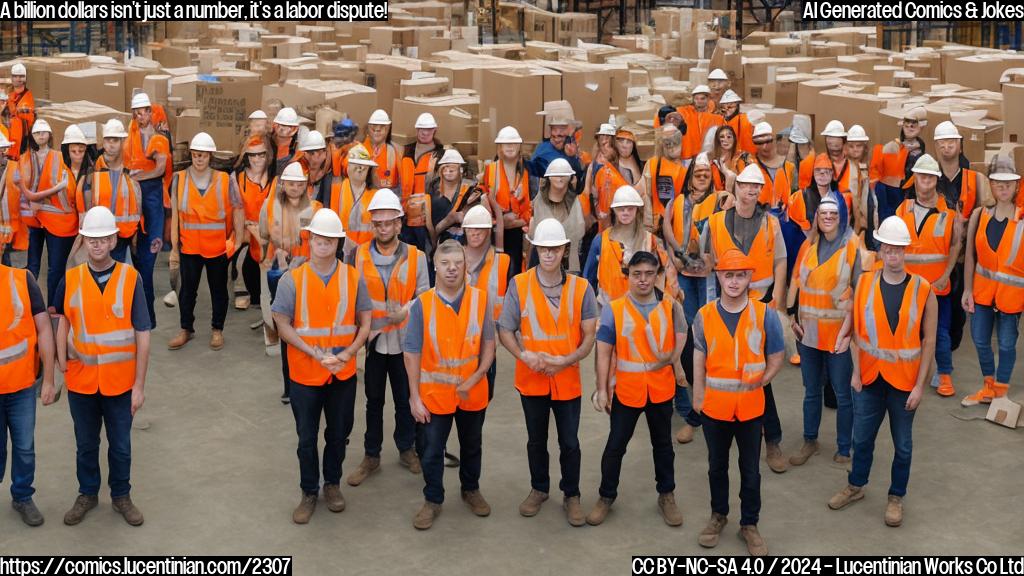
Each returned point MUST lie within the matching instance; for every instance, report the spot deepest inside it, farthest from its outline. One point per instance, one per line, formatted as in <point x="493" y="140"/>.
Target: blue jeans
<point x="694" y="296"/>
<point x="984" y="320"/>
<point x="36" y="241"/>
<point x="435" y="433"/>
<point x="538" y="411"/>
<point x="153" y="221"/>
<point x="943" y="342"/>
<point x="90" y="412"/>
<point x="336" y="401"/>
<point x="840" y="368"/>
<point x="18" y="414"/>
<point x="378" y="369"/>
<point x="870" y="406"/>
<point x="273" y="277"/>
<point x="58" y="248"/>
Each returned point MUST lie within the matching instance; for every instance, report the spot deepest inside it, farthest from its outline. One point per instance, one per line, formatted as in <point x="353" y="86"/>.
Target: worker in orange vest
<point x="994" y="281"/>
<point x="489" y="268"/>
<point x="419" y="167"/>
<point x="449" y="346"/>
<point x="894" y="322"/>
<point x="662" y="177"/>
<point x="738" y="348"/>
<point x="640" y="338"/>
<point x="383" y="151"/>
<point x="548" y="323"/>
<point x="749" y="227"/>
<point x="507" y="178"/>
<point x="835" y="149"/>
<point x="285" y="134"/>
<point x="110" y="185"/>
<point x="719" y="83"/>
<point x="353" y="198"/>
<point x="699" y="116"/>
<point x="322" y="311"/>
<point x="207" y="218"/>
<point x="891" y="162"/>
<point x="323" y="184"/>
<point x="255" y="183"/>
<point x="803" y="204"/>
<point x="342" y="139"/>
<point x="936" y="231"/>
<point x="21" y="110"/>
<point x="820" y="297"/>
<point x="26" y="341"/>
<point x="103" y="340"/>
<point x="395" y="274"/>
<point x="739" y="121"/>
<point x="10" y="212"/>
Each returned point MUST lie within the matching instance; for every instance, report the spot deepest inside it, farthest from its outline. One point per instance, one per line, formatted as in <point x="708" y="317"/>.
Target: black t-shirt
<point x="994" y="232"/>
<point x="35" y="295"/>
<point x="892" y="298"/>
<point x="140" y="312"/>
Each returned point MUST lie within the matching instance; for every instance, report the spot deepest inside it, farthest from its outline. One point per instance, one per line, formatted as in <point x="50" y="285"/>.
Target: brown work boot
<point x="180" y="340"/>
<point x="217" y="340"/>
<point x="531" y="506"/>
<point x="669" y="511"/>
<point x="574" y="511"/>
<point x="242" y="302"/>
<point x="332" y="495"/>
<point x="369" y="465"/>
<point x="845" y="497"/>
<point x="755" y="544"/>
<point x="810" y="448"/>
<point x="841" y="460"/>
<point x="773" y="456"/>
<point x="81" y="506"/>
<point x="709" y="535"/>
<point x="304" y="511"/>
<point x="894" y="511"/>
<point x="600" y="511"/>
<point x="685" y="434"/>
<point x="424" y="519"/>
<point x="410" y="460"/>
<point x="124" y="506"/>
<point x="476" y="503"/>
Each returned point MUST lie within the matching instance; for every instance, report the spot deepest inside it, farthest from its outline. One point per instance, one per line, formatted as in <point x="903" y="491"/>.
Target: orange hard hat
<point x="823" y="161"/>
<point x="734" y="260"/>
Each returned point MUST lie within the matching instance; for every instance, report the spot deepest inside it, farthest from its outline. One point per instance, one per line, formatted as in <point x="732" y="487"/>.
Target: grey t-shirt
<point x="284" y="301"/>
<point x="511" y="319"/>
<point x="744" y="231"/>
<point x="827" y="248"/>
<point x="774" y="341"/>
<point x="141" y="322"/>
<point x="414" y="329"/>
<point x="234" y="196"/>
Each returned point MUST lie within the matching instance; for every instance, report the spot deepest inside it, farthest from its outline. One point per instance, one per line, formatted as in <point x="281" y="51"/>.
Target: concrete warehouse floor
<point x="216" y="473"/>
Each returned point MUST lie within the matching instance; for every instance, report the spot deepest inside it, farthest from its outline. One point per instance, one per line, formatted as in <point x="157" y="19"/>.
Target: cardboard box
<point x="105" y="87"/>
<point x="385" y="73"/>
<point x="307" y="95"/>
<point x="425" y="87"/>
<point x="456" y="115"/>
<point x="89" y="116"/>
<point x="224" y="110"/>
<point x="513" y="97"/>
<point x="158" y="87"/>
<point x="384" y="39"/>
<point x="1013" y="114"/>
<point x="982" y="71"/>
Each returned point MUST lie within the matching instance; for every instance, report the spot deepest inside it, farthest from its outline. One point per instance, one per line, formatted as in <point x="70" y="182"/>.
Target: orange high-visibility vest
<point x="493" y="279"/>
<point x="122" y="198"/>
<point x="354" y="211"/>
<point x="740" y="123"/>
<point x="824" y="288"/>
<point x="612" y="281"/>
<point x="10" y="211"/>
<point x="301" y="247"/>
<point x="451" y="351"/>
<point x="762" y="251"/>
<point x="57" y="213"/>
<point x="896" y="356"/>
<point x="718" y="178"/>
<point x="888" y="163"/>
<point x="697" y="125"/>
<point x="416" y="172"/>
<point x="388" y="164"/>
<point x="806" y="172"/>
<point x="325" y="318"/>
<point x="339" y="159"/>
<point x="999" y="272"/>
<point x="205" y="220"/>
<point x="253" y="198"/>
<point x="137" y="158"/>
<point x="21" y="108"/>
<point x="101" y="345"/>
<point x="661" y="167"/>
<point x="842" y="179"/>
<point x="776" y="191"/>
<point x="639" y="342"/>
<point x="607" y="180"/>
<point x="542" y="331"/>
<point x="734" y="363"/>
<point x="400" y="290"/>
<point x="929" y="248"/>
<point x="18" y="357"/>
<point x="515" y="200"/>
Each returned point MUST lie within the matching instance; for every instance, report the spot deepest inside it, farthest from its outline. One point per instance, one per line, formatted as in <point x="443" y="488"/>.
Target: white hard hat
<point x="549" y="233"/>
<point x="41" y="126"/>
<point x="797" y="136"/>
<point x="477" y="217"/>
<point x="385" y="199"/>
<point x="3" y="95"/>
<point x="917" y="113"/>
<point x="730" y="97"/>
<point x="73" y="135"/>
<point x="834" y="128"/>
<point x="752" y="174"/>
<point x="926" y="165"/>
<point x="451" y="156"/>
<point x="258" y="115"/>
<point x="559" y="167"/>
<point x="701" y="160"/>
<point x="99" y="222"/>
<point x="4" y="142"/>
<point x="700" y="89"/>
<point x="358" y="154"/>
<point x="287" y="117"/>
<point x="508" y="135"/>
<point x="425" y="121"/>
<point x="718" y="74"/>
<point x="893" y="231"/>
<point x="141" y="100"/>
<point x="314" y="140"/>
<point x="626" y="196"/>
<point x="202" y="142"/>
<point x="114" y="129"/>
<point x="18" y="70"/>
<point x="1002" y="169"/>
<point x="326" y="223"/>
<point x="379" y="117"/>
<point x="856" y="133"/>
<point x="763" y="129"/>
<point x="293" y="173"/>
<point x="606" y="130"/>
<point x="946" y="130"/>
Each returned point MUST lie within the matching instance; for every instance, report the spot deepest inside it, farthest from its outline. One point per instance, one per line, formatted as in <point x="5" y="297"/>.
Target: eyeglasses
<point x="385" y="224"/>
<point x="256" y="154"/>
<point x="828" y="215"/>
<point x="764" y="142"/>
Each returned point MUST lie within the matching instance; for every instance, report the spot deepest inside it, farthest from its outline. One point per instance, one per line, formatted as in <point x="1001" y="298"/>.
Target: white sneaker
<point x="171" y="299"/>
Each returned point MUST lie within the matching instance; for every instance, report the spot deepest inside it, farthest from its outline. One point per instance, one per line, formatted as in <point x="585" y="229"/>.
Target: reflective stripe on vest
<point x="339" y="328"/>
<point x="871" y="346"/>
<point x="755" y="341"/>
<point x="184" y="192"/>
